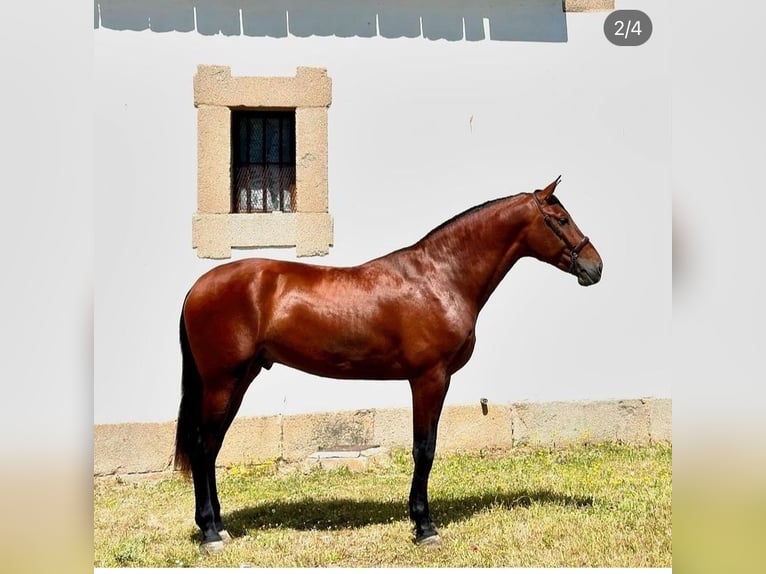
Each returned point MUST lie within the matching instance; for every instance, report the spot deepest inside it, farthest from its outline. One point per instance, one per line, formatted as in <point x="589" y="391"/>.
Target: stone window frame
<point x="215" y="230"/>
<point x="588" y="5"/>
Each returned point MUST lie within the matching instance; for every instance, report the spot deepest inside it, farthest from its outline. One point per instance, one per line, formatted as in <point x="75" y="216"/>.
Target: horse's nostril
<point x="600" y="267"/>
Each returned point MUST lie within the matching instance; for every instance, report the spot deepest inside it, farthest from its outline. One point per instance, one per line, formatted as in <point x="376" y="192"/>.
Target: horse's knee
<point x="422" y="452"/>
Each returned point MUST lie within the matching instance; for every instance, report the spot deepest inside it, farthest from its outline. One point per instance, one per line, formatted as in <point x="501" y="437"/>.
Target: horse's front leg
<point x="428" y="392"/>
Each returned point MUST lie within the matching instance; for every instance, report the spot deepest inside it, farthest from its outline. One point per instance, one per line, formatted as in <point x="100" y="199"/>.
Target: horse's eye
<point x="563" y="221"/>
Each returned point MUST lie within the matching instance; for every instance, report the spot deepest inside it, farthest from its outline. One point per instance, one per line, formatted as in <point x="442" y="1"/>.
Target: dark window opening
<point x="263" y="153"/>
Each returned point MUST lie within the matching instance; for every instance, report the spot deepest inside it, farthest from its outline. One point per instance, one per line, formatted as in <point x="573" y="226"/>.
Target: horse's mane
<point x="466" y="213"/>
<point x="432" y="236"/>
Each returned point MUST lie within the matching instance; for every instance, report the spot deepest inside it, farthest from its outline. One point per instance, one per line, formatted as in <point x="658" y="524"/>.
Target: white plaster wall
<point x="419" y="130"/>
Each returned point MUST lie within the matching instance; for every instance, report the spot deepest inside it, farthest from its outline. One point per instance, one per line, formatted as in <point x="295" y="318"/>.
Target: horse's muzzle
<point x="588" y="273"/>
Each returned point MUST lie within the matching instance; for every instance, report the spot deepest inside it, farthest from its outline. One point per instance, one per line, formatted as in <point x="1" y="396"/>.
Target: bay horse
<point x="409" y="315"/>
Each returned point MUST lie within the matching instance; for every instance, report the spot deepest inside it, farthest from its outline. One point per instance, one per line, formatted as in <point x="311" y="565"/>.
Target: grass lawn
<point x="601" y="506"/>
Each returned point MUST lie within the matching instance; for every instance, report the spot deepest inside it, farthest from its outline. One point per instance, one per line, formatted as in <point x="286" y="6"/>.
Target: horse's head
<point x="553" y="237"/>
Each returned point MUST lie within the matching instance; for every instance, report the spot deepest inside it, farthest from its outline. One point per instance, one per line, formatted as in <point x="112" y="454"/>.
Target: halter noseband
<point x="574" y="251"/>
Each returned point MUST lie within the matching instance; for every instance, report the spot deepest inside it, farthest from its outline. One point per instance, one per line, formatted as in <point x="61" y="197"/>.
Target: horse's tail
<point x="188" y="433"/>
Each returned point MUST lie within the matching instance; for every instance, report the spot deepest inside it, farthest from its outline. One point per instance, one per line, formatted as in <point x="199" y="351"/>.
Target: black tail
<point x="190" y="410"/>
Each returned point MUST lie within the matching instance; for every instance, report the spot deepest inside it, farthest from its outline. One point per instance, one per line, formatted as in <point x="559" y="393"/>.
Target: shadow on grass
<point x="343" y="513"/>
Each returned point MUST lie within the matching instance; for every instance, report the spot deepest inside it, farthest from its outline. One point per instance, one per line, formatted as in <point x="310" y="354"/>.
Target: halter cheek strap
<point x="574" y="251"/>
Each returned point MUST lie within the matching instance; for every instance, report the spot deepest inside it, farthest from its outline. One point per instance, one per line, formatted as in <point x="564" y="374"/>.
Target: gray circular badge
<point x="627" y="27"/>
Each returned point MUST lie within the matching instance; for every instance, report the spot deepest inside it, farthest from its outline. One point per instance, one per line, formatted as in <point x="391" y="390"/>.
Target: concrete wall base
<point x="148" y="447"/>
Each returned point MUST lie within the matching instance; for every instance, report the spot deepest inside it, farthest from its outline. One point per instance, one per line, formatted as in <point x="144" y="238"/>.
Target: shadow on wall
<point x="502" y="20"/>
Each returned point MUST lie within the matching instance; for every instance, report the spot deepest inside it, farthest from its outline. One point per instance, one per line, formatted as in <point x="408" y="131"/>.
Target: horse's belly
<point x="335" y="363"/>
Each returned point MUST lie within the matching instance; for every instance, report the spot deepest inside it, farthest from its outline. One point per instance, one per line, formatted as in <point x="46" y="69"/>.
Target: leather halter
<point x="574" y="250"/>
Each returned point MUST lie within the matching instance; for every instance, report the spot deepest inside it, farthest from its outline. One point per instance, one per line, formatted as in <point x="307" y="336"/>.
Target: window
<point x="263" y="146"/>
<point x="261" y="162"/>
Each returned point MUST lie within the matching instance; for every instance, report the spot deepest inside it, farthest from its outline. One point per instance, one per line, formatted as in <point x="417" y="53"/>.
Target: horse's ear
<point x="548" y="191"/>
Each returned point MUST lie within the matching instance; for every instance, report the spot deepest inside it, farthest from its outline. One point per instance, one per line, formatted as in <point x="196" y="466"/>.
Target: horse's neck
<point x="477" y="251"/>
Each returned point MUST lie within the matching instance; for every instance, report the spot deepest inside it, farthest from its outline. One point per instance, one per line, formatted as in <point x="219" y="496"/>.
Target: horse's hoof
<point x="430" y="540"/>
<point x="213" y="547"/>
<point x="225" y="536"/>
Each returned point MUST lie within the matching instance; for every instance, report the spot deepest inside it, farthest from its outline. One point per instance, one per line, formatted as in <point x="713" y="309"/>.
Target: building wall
<point x="128" y="448"/>
<point x="424" y="123"/>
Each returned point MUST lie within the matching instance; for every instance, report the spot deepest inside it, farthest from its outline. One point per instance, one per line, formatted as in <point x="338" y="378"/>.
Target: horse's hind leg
<point x="204" y="514"/>
<point x="213" y="383"/>
<point x="208" y="509"/>
<point x="219" y="409"/>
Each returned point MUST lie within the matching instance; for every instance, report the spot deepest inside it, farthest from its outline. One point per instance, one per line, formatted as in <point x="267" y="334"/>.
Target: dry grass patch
<point x="605" y="506"/>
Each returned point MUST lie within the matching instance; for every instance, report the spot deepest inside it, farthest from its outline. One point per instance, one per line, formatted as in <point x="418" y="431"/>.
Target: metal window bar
<point x="263" y="146"/>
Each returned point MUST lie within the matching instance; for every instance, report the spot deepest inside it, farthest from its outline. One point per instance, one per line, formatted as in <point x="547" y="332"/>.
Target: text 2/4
<point x="627" y="27"/>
